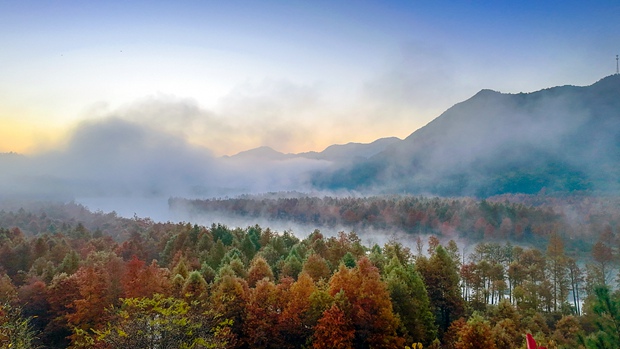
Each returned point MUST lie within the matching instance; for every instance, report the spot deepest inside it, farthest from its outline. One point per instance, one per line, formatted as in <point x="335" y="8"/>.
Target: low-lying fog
<point x="116" y="165"/>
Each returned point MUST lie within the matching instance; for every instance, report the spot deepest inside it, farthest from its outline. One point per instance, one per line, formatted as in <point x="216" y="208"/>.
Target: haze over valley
<point x="326" y="174"/>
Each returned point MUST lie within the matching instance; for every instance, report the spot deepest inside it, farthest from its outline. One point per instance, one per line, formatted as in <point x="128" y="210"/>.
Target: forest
<point x="521" y="219"/>
<point x="72" y="278"/>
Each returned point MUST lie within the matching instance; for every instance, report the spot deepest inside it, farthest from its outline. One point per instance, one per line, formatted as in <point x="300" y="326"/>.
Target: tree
<point x="8" y="292"/>
<point x="195" y="286"/>
<point x="557" y="270"/>
<point x="261" y="316"/>
<point x="349" y="260"/>
<point x="603" y="256"/>
<point x="607" y="307"/>
<point x="442" y="284"/>
<point x="62" y="291"/>
<point x="141" y="280"/>
<point x="410" y="301"/>
<point x="576" y="278"/>
<point x="216" y="254"/>
<point x="228" y="300"/>
<point x="70" y="263"/>
<point x="475" y="334"/>
<point x="334" y="330"/>
<point x="290" y="267"/>
<point x="161" y="322"/>
<point x="317" y="268"/>
<point x="34" y="304"/>
<point x="296" y="321"/>
<point x="16" y="331"/>
<point x="94" y="297"/>
<point x="567" y="332"/>
<point x="506" y="334"/>
<point x="371" y="310"/>
<point x="259" y="269"/>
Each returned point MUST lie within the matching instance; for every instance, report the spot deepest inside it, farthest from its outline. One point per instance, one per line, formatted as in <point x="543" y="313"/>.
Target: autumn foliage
<point x="137" y="283"/>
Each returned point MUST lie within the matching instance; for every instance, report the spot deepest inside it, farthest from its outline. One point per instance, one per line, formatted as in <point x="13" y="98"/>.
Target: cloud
<point x="114" y="158"/>
<point x="276" y="113"/>
<point x="420" y="79"/>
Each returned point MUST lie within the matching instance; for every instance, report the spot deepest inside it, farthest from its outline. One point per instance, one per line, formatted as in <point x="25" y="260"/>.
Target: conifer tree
<point x="442" y="284"/>
<point x="410" y="301"/>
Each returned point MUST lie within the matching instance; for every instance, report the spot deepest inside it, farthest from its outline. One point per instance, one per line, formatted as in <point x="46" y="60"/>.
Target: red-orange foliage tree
<point x="295" y="323"/>
<point x="334" y="330"/>
<point x="261" y="316"/>
<point x="371" y="310"/>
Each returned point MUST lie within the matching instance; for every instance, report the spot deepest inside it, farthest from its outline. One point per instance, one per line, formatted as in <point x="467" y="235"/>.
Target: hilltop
<point x="561" y="139"/>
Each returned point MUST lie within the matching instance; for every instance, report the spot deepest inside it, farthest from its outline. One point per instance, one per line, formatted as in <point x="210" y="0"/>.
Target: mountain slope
<point x="337" y="152"/>
<point x="560" y="139"/>
<point x="352" y="151"/>
<point x="260" y="153"/>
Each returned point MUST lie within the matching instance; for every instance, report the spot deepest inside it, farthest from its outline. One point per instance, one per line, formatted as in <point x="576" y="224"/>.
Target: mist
<point x="561" y="139"/>
<point x="112" y="164"/>
<point x="368" y="235"/>
<point x="134" y="159"/>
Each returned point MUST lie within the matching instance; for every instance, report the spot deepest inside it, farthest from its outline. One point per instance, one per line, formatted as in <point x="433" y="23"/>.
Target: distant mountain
<point x="260" y="153"/>
<point x="352" y="151"/>
<point x="10" y="155"/>
<point x="10" y="159"/>
<point x="560" y="139"/>
<point x="338" y="152"/>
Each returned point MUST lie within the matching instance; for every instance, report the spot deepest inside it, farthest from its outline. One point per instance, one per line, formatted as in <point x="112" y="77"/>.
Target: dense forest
<point x="521" y="219"/>
<point x="74" y="278"/>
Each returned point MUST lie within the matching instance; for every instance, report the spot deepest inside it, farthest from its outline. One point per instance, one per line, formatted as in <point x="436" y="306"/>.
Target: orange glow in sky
<point x="295" y="76"/>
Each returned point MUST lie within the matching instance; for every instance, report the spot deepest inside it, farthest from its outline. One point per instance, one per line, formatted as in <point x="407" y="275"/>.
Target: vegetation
<point x="521" y="219"/>
<point x="109" y="282"/>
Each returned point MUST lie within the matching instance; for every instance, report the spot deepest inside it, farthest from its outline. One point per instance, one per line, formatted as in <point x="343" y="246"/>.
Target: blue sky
<point x="294" y="75"/>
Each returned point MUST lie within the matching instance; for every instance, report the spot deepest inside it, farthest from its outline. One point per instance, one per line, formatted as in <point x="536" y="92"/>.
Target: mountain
<point x="351" y="151"/>
<point x="337" y="152"/>
<point x="561" y="139"/>
<point x="260" y="153"/>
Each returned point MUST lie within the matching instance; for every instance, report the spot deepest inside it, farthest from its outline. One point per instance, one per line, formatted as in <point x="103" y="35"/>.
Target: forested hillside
<point x="182" y="285"/>
<point x="521" y="219"/>
<point x="562" y="139"/>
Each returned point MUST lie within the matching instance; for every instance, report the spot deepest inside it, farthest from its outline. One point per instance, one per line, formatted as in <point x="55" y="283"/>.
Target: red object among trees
<point x="531" y="343"/>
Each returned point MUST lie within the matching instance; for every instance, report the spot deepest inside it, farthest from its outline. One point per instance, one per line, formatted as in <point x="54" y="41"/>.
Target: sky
<point x="227" y="76"/>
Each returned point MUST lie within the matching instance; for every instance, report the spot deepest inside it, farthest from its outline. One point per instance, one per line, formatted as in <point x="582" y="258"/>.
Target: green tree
<point x="195" y="286"/>
<point x="442" y="284"/>
<point x="410" y="301"/>
<point x="607" y="308"/>
<point x="16" y="331"/>
<point x="228" y="299"/>
<point x="161" y="322"/>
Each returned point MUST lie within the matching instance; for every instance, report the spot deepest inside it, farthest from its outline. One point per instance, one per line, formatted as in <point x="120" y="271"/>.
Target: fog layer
<point x="112" y="160"/>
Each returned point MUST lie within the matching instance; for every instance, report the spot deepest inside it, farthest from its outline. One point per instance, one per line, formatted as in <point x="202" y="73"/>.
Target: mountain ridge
<point x="561" y="138"/>
<point x="334" y="152"/>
